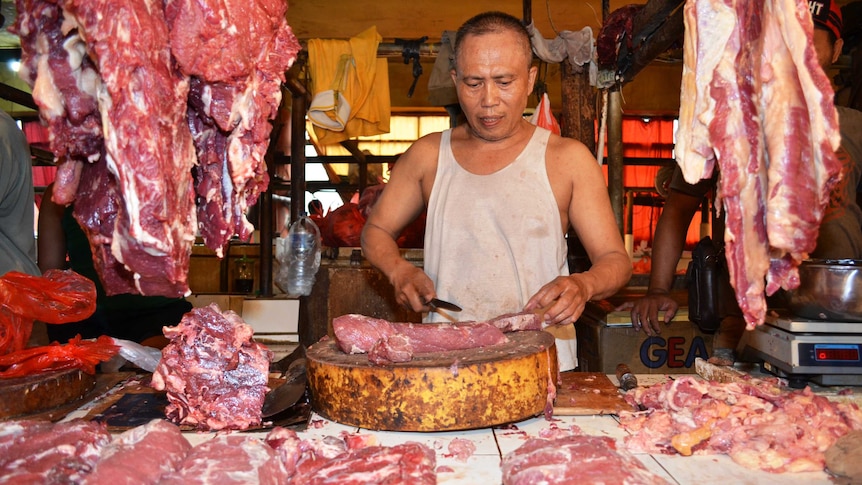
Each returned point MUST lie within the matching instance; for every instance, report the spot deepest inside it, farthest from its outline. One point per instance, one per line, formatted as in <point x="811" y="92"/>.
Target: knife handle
<point x="627" y="379"/>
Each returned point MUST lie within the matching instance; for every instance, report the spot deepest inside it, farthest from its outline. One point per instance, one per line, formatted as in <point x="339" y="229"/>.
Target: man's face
<point x="493" y="80"/>
<point x="827" y="52"/>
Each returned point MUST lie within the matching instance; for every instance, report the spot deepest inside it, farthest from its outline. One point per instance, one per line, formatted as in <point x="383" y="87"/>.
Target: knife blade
<point x="436" y="303"/>
<point x="286" y="395"/>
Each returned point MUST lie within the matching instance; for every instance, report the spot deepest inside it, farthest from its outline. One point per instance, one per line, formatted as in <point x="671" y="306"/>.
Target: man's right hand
<point x="413" y="288"/>
<point x="645" y="311"/>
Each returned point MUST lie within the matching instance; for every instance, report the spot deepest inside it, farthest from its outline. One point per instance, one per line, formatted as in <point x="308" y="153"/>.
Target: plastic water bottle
<point x="303" y="256"/>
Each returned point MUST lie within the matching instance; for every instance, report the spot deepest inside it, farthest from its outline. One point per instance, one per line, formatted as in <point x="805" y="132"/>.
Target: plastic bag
<point x="77" y="354"/>
<point x="55" y="297"/>
<point x="147" y="358"/>
<point x="543" y="117"/>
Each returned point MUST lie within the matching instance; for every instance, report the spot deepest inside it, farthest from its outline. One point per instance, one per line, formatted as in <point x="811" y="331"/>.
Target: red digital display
<point x="844" y="354"/>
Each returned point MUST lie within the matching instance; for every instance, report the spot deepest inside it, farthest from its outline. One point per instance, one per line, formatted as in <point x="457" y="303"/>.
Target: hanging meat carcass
<point x="755" y="101"/>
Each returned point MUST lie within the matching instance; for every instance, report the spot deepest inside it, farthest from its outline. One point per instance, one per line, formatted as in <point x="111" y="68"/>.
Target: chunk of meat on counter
<point x="215" y="375"/>
<point x="229" y="459"/>
<point x="141" y="455"/>
<point x="574" y="459"/>
<point x="757" y="424"/>
<point x="387" y="341"/>
<point x="44" y="452"/>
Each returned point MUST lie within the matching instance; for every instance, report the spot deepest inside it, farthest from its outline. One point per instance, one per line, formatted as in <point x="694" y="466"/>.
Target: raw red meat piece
<point x="755" y="100"/>
<point x="121" y="115"/>
<point x="143" y="105"/>
<point x="215" y="375"/>
<point x="141" y="455"/>
<point x="574" y="459"/>
<point x="65" y="83"/>
<point x="361" y="334"/>
<point x="43" y="452"/>
<point x="757" y="424"/>
<point x="231" y="101"/>
<point x="229" y="459"/>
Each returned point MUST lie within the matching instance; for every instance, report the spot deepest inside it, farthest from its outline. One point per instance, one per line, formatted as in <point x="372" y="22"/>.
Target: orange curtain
<point x="648" y="138"/>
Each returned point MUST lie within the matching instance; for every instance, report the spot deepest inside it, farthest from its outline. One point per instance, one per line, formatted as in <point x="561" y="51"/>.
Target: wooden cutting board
<point x="441" y="391"/>
<point x="588" y="393"/>
<point x="22" y="396"/>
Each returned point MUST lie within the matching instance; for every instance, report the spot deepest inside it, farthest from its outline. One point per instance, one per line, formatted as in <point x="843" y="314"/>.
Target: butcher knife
<point x="284" y="363"/>
<point x="286" y="395"/>
<point x="436" y="303"/>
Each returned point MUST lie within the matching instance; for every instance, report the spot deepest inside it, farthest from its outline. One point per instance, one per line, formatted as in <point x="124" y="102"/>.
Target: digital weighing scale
<point x="799" y="349"/>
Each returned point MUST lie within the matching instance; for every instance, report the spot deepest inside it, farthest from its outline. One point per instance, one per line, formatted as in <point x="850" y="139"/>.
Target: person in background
<point x="17" y="241"/>
<point x="840" y="234"/>
<point x="64" y="245"/>
<point x="500" y="195"/>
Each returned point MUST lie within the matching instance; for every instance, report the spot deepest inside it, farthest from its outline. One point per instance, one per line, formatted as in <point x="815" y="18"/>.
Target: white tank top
<point x="491" y="241"/>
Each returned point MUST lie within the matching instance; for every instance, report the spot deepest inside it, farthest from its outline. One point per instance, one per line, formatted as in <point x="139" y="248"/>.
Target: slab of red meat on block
<point x="65" y="84"/>
<point x="574" y="459"/>
<point x="43" y="452"/>
<point x="387" y="342"/>
<point x="215" y="375"/>
<point x="231" y="101"/>
<point x="755" y="100"/>
<point x="757" y="424"/>
<point x="229" y="459"/>
<point x="141" y="455"/>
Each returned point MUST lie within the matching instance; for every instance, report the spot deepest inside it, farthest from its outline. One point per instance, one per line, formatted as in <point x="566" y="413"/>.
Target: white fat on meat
<point x="754" y="96"/>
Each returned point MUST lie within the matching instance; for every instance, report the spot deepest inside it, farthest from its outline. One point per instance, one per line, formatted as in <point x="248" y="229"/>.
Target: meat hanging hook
<point x="410" y="50"/>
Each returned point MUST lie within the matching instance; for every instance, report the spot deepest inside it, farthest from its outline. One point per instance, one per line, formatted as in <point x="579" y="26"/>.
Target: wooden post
<point x="615" y="153"/>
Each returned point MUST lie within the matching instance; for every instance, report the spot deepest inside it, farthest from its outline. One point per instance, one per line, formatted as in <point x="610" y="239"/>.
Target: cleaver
<point x="286" y="395"/>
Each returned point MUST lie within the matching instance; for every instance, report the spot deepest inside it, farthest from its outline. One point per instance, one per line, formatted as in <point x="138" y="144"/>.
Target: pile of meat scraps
<point x="158" y="115"/>
<point x="757" y="424"/>
<point x="755" y="100"/>
<point x="157" y="452"/>
<point x="388" y="342"/>
<point x="215" y="375"/>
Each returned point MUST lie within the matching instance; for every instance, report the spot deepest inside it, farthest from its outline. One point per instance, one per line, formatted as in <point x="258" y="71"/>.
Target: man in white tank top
<point x="501" y="195"/>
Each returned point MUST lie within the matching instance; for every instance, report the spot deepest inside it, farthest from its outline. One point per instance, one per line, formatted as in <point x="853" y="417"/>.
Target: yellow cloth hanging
<point x="350" y="88"/>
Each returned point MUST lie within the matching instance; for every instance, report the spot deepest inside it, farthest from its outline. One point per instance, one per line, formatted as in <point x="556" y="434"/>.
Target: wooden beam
<point x="655" y="29"/>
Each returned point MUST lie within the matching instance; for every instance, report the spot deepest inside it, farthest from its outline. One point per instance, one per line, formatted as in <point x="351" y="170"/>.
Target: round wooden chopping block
<point x="21" y="396"/>
<point x="454" y="390"/>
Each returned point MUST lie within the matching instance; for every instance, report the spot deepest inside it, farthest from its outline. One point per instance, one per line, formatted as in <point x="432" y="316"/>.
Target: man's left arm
<point x="589" y="213"/>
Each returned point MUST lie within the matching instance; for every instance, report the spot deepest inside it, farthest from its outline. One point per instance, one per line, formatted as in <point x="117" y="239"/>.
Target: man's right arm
<point x="400" y="203"/>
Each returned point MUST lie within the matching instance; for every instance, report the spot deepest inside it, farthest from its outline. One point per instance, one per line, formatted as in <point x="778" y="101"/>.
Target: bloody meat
<point x="215" y="375"/>
<point x="755" y="101"/>
<point x="387" y="341"/>
<point x="574" y="459"/>
<point x="141" y="455"/>
<point x="757" y="424"/>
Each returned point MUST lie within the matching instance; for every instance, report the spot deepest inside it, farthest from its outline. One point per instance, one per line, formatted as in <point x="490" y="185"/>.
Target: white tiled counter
<point x="491" y="444"/>
<point x="483" y="467"/>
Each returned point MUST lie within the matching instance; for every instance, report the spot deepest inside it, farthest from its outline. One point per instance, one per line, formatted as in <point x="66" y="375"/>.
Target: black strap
<point x="410" y="50"/>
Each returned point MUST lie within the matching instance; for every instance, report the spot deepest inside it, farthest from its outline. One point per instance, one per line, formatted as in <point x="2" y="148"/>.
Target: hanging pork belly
<point x="755" y="101"/>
